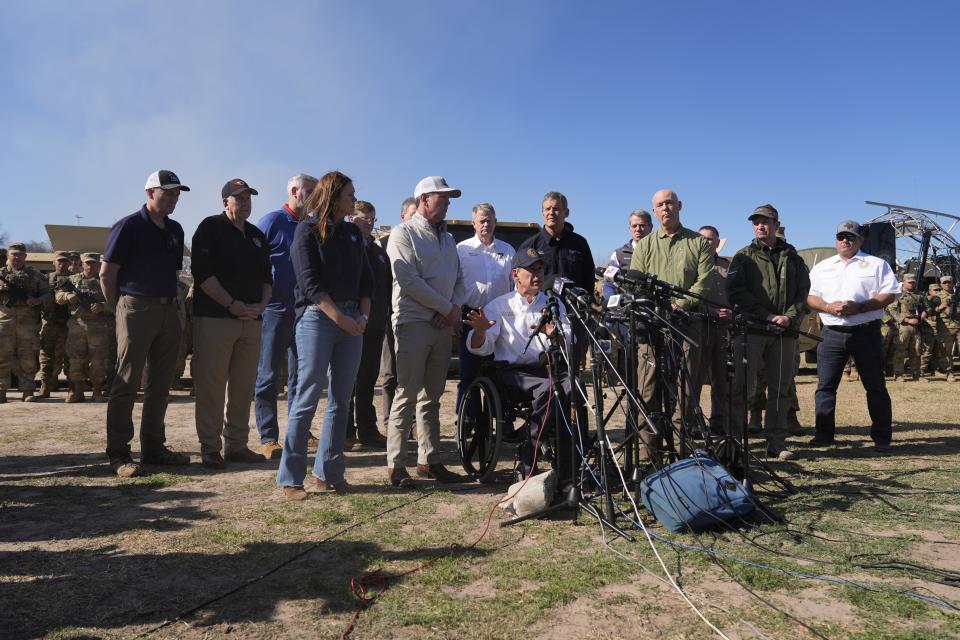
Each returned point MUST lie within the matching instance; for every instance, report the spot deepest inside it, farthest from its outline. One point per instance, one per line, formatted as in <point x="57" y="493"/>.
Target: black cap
<point x="526" y="258"/>
<point x="235" y="186"/>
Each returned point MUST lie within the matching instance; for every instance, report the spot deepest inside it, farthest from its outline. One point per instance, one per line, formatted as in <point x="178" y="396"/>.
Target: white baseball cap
<point x="164" y="179"/>
<point x="435" y="184"/>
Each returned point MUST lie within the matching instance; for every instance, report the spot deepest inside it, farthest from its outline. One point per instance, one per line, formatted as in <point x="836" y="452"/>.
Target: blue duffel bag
<point x="695" y="493"/>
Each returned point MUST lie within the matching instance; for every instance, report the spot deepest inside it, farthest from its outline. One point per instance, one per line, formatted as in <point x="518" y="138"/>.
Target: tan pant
<point x="147" y="337"/>
<point x="19" y="345"/>
<point x="226" y="352"/>
<point x="423" y="355"/>
<point x="695" y="359"/>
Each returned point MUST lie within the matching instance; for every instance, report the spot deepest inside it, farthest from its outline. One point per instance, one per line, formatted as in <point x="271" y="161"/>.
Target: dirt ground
<point x="193" y="553"/>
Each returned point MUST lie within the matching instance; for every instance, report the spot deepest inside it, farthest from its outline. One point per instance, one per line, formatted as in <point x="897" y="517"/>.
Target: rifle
<point x="16" y="293"/>
<point x="86" y="299"/>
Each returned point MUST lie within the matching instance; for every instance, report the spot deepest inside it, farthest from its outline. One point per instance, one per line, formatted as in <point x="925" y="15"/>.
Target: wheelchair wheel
<point x="480" y="429"/>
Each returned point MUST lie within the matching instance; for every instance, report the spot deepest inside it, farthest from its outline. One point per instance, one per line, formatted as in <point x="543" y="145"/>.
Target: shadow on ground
<point x="107" y="589"/>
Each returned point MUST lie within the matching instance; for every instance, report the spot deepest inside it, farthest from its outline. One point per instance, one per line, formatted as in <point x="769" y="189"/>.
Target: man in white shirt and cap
<point x="850" y="291"/>
<point x="504" y="328"/>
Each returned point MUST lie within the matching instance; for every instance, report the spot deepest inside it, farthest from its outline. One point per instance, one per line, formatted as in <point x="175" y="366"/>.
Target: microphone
<point x="568" y="291"/>
<point x="630" y="277"/>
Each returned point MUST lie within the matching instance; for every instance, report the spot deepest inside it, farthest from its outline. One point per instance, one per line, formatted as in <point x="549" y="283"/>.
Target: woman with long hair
<point x="334" y="283"/>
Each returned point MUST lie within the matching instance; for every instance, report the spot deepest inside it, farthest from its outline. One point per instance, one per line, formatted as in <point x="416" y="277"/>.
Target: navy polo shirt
<point x="149" y="257"/>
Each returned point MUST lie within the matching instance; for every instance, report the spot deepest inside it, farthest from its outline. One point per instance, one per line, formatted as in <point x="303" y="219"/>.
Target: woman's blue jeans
<point x="321" y="345"/>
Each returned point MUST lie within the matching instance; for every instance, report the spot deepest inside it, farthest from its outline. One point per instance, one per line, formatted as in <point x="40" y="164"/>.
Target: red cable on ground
<point x="366" y="588"/>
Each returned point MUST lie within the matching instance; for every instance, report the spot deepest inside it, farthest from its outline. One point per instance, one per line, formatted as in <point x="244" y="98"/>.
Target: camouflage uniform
<point x="185" y="308"/>
<point x="934" y="322"/>
<point x="949" y="333"/>
<point x="20" y="326"/>
<point x="53" y="336"/>
<point x="910" y="345"/>
<point x="88" y="336"/>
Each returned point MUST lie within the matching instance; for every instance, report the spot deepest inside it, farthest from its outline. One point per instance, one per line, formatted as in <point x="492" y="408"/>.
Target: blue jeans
<point x="321" y="345"/>
<point x="276" y="342"/>
<point x="863" y="342"/>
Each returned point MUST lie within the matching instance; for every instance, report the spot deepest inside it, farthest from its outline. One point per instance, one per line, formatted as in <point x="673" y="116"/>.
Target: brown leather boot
<point x="44" y="390"/>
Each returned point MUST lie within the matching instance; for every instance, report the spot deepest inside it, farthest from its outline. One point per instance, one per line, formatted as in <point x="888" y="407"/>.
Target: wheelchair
<point x="485" y="421"/>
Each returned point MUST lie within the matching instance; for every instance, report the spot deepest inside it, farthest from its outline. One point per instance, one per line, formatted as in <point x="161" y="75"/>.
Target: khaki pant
<point x="88" y="345"/>
<point x="777" y="355"/>
<point x="948" y="338"/>
<point x="147" y="334"/>
<point x="226" y="352"/>
<point x="695" y="361"/>
<point x="423" y="355"/>
<point x="53" y="351"/>
<point x="19" y="345"/>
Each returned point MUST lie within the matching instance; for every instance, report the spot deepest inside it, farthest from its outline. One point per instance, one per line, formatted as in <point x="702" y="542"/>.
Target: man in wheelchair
<point x="504" y="328"/>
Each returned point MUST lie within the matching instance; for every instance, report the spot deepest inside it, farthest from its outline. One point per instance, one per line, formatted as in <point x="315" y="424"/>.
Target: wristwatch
<point x="365" y="317"/>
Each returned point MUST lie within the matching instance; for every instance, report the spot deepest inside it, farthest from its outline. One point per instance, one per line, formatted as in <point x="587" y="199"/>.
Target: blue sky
<point x="814" y="107"/>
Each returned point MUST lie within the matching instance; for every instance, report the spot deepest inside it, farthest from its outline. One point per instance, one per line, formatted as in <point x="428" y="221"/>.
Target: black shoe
<point x="817" y="441"/>
<point x="213" y="460"/>
<point x="377" y="442"/>
<point x="882" y="448"/>
<point x="244" y="455"/>
<point x="165" y="456"/>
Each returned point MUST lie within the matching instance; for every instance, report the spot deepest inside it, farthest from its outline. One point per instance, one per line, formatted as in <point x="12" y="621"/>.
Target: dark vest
<point x="625" y="255"/>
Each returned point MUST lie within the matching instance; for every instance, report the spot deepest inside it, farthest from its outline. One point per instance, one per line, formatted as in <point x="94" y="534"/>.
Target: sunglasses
<point x="846" y="237"/>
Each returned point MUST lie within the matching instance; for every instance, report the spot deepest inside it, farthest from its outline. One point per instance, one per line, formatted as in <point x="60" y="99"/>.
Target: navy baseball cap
<point x="235" y="186"/>
<point x="526" y="258"/>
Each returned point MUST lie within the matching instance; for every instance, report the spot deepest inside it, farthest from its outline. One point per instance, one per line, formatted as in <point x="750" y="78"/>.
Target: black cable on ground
<point x="275" y="568"/>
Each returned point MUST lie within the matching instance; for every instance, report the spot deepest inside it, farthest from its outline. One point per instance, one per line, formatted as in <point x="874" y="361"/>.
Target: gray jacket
<point x="426" y="271"/>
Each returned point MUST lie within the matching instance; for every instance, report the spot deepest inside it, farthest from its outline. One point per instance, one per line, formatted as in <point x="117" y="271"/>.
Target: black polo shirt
<point x="337" y="268"/>
<point x="568" y="256"/>
<point x="240" y="260"/>
<point x="149" y="257"/>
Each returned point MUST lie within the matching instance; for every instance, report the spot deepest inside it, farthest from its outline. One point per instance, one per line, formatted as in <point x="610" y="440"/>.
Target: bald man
<point x="684" y="258"/>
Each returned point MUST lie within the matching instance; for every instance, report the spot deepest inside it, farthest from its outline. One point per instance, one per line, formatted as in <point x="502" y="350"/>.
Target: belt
<point x="843" y="328"/>
<point x="152" y="300"/>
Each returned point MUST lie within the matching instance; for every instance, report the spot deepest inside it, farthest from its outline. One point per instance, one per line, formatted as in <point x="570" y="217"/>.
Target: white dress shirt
<point x="485" y="270"/>
<point x="515" y="321"/>
<point x="857" y="279"/>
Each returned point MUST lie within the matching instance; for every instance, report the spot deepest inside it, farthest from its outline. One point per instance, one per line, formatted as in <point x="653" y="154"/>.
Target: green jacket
<point x="760" y="289"/>
<point x="684" y="259"/>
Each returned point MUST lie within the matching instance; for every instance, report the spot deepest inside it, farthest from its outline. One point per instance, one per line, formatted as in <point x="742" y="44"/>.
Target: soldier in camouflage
<point x="948" y="332"/>
<point x="907" y="311"/>
<point x="88" y="331"/>
<point x="933" y="318"/>
<point x="53" y="329"/>
<point x="890" y="337"/>
<point x="23" y="291"/>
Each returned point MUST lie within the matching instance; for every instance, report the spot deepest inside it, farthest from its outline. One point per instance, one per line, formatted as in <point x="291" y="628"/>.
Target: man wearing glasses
<point x="850" y="291"/>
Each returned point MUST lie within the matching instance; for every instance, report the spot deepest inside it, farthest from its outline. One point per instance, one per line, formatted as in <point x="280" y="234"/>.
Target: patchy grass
<point x="83" y="554"/>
